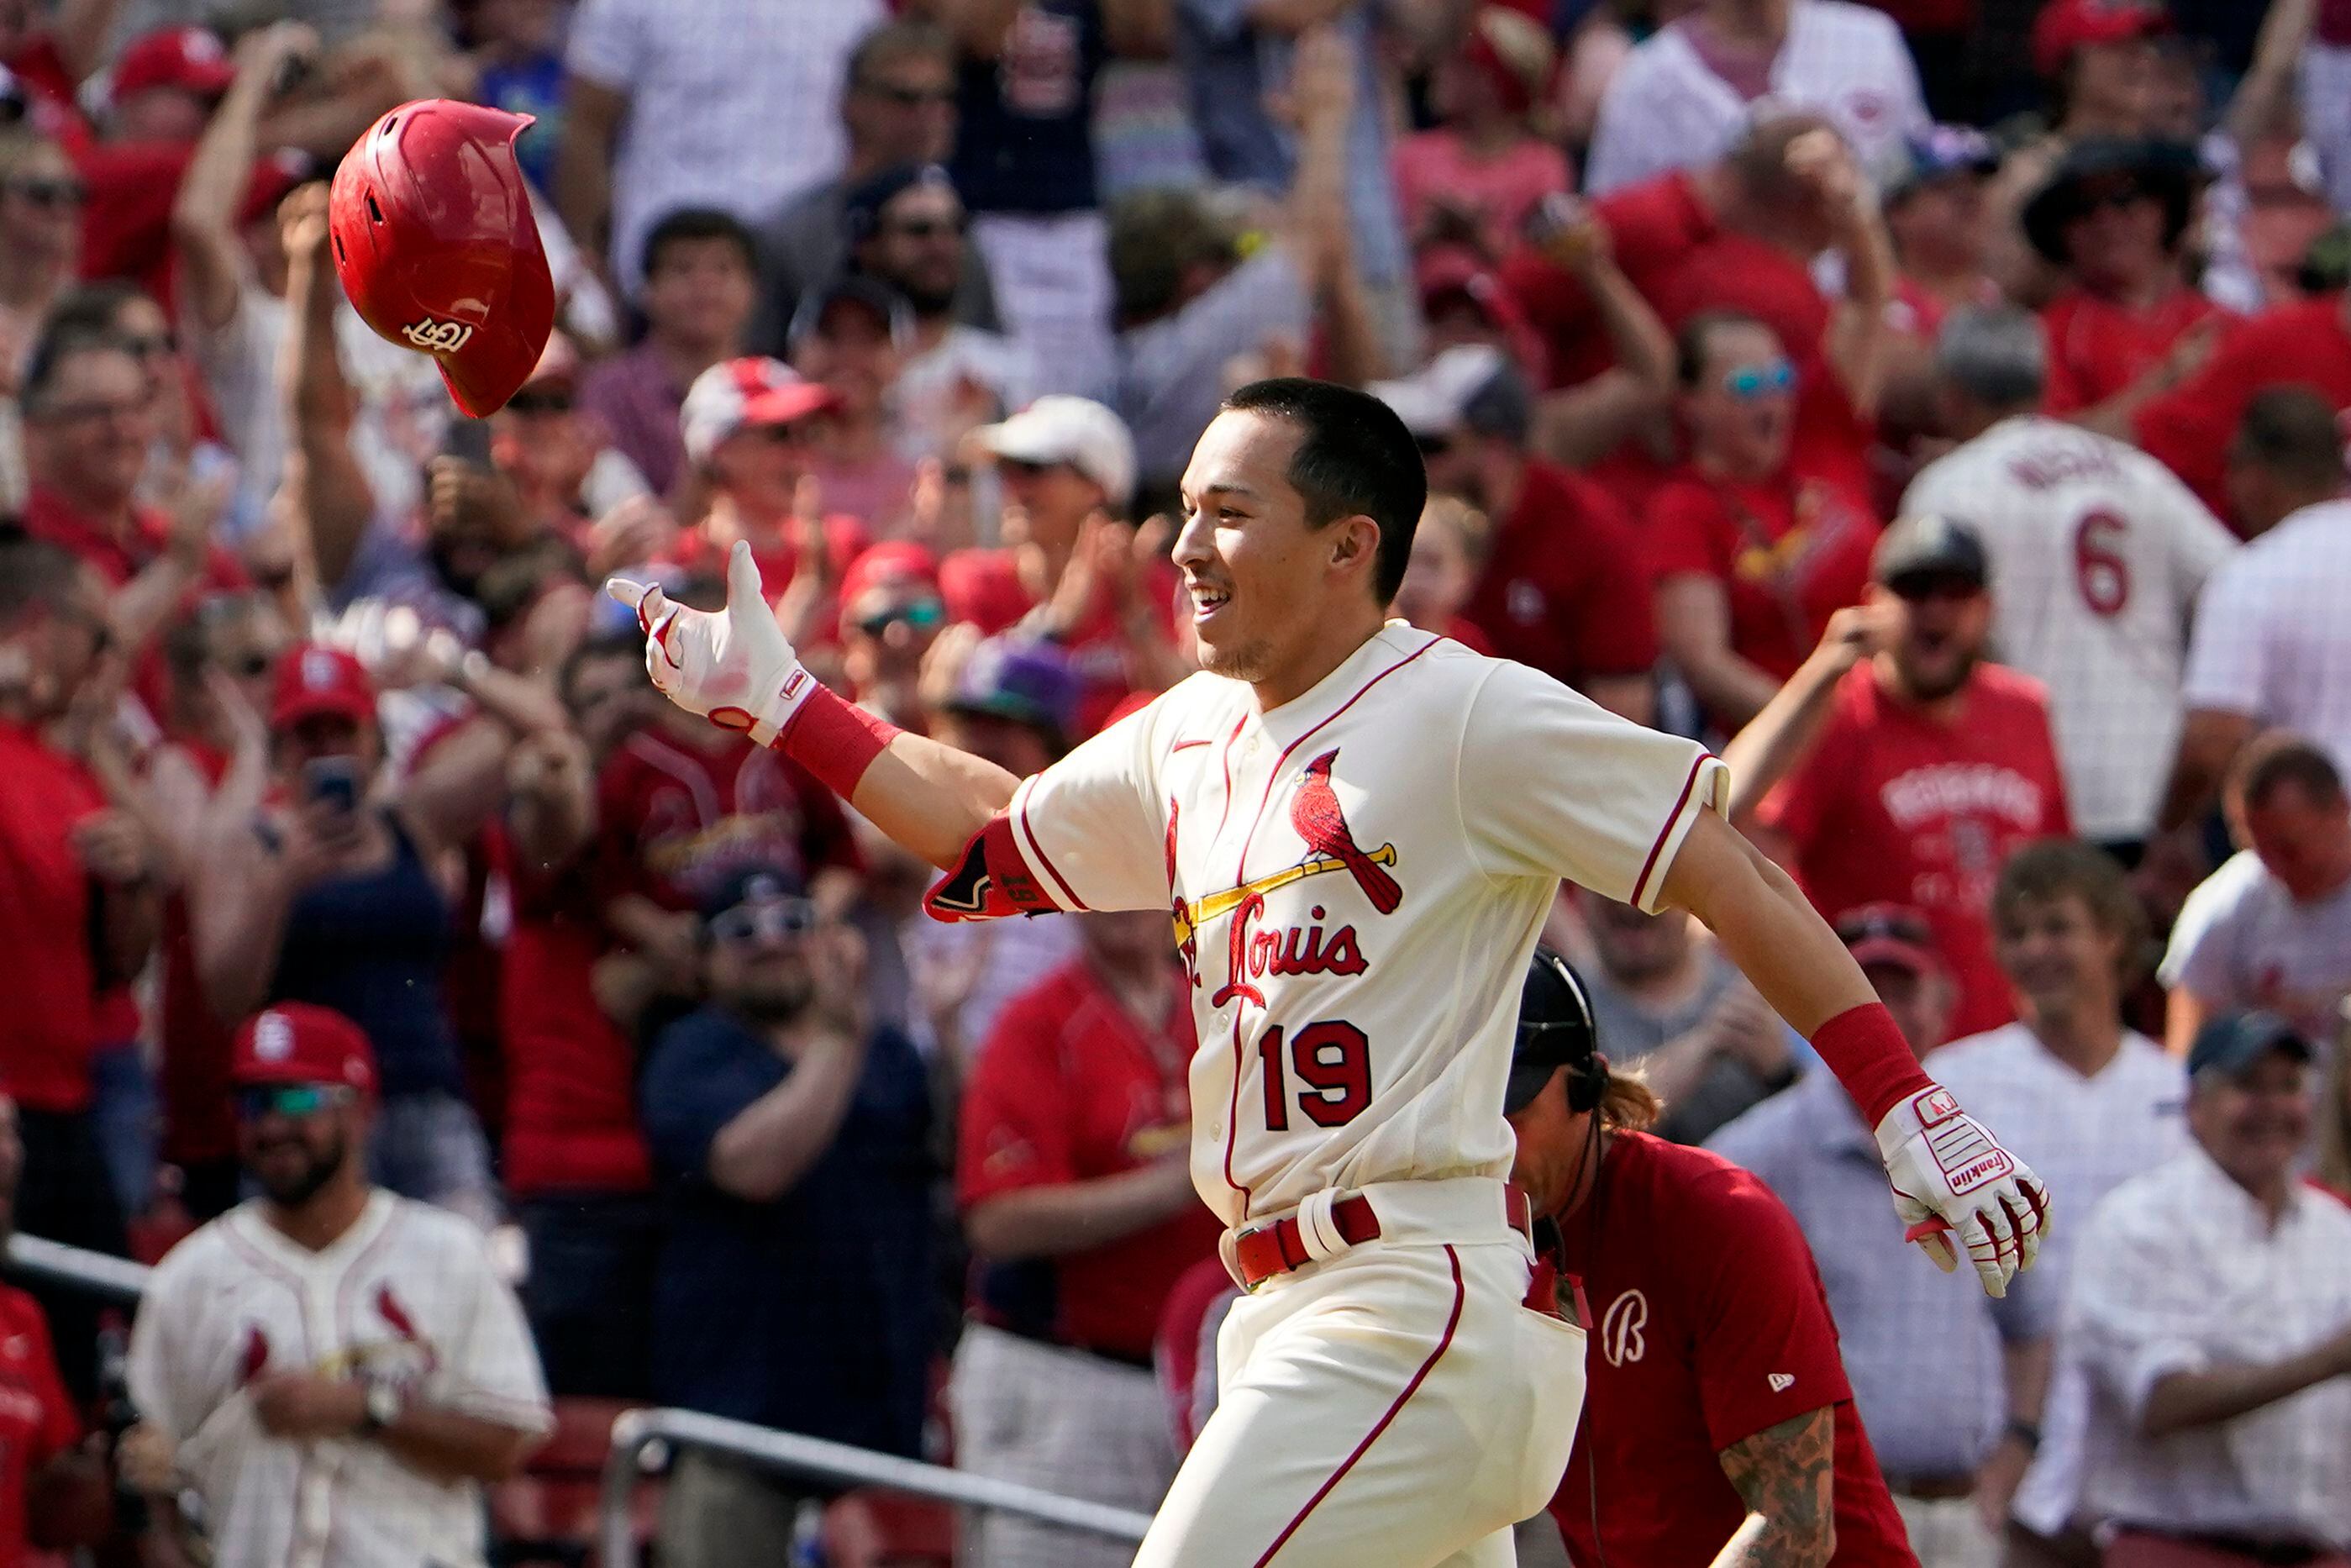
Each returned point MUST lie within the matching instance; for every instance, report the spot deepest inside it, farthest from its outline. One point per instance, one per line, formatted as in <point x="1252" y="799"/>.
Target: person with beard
<point x="1898" y="766"/>
<point x="327" y="1342"/>
<point x="794" y="1289"/>
<point x="1564" y="588"/>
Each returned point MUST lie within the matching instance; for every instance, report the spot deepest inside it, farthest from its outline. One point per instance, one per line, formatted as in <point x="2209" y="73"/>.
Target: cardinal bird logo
<point x="1314" y="812"/>
<point x="256" y="1359"/>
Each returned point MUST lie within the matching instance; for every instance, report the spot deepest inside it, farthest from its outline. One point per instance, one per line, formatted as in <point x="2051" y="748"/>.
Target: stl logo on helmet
<point x="437" y="337"/>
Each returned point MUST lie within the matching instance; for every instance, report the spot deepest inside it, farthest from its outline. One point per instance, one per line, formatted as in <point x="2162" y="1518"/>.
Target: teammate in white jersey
<point x="1358" y="827"/>
<point x="2098" y="553"/>
<point x="331" y="1370"/>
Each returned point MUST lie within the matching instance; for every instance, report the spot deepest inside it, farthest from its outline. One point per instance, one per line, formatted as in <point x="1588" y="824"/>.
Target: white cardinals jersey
<point x="2097" y="554"/>
<point x="1667" y="109"/>
<point x="1357" y="879"/>
<point x="407" y="1295"/>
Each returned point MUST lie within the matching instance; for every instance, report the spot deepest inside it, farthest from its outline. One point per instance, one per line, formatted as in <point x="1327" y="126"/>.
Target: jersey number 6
<point x="1332" y="1059"/>
<point x="2098" y="566"/>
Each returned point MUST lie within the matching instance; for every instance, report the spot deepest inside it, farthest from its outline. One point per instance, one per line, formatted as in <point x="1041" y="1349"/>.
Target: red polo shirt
<point x="2097" y="347"/>
<point x="1564" y="588"/>
<point x="1709" y="1324"/>
<point x="50" y="1025"/>
<point x="1895" y="806"/>
<point x="1790" y="552"/>
<point x="2190" y="426"/>
<point x="49" y="515"/>
<point x="36" y="1418"/>
<point x="572" y="1102"/>
<point x="1070" y="1087"/>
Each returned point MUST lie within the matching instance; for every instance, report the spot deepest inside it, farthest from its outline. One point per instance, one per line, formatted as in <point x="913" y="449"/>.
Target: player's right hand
<point x="732" y="666"/>
<point x="1954" y="1188"/>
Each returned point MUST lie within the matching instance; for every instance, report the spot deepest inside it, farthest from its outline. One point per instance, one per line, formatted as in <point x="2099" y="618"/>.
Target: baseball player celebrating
<point x="330" y="1369"/>
<point x="1357" y="827"/>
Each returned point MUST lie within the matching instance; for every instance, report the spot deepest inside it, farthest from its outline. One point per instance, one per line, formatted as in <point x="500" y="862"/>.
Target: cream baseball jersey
<point x="406" y="1295"/>
<point x="1356" y="879"/>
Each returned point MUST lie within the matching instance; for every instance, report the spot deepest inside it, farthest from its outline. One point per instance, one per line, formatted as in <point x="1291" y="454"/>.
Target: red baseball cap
<point x="878" y="564"/>
<point x="742" y="394"/>
<point x="189" y="59"/>
<point x="2065" y="25"/>
<point x="295" y="1042"/>
<point x="314" y="679"/>
<point x="438" y="248"/>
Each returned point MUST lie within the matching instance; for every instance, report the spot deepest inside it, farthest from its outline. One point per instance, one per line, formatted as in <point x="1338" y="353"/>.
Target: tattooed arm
<point x="1787" y="1477"/>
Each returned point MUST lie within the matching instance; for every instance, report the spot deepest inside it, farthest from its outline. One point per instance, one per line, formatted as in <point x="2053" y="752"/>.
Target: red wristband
<point x="1865" y="1049"/>
<point x="834" y="739"/>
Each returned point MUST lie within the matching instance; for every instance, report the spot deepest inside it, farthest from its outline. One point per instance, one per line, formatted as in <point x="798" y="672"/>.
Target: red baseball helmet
<point x="437" y="249"/>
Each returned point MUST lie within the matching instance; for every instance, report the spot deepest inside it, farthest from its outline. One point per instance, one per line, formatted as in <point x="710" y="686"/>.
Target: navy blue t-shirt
<point x="812" y="1313"/>
<point x="1025" y="140"/>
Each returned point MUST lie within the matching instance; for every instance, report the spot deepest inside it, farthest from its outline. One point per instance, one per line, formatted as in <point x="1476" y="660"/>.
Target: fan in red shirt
<point x="1563" y="587"/>
<point x="45" y="1479"/>
<point x="1757" y="541"/>
<point x="2113" y="214"/>
<point x="1073" y="1176"/>
<point x="1900" y="766"/>
<point x="1741" y="235"/>
<point x="1714" y="1402"/>
<point x="2190" y="427"/>
<point x="1068" y="572"/>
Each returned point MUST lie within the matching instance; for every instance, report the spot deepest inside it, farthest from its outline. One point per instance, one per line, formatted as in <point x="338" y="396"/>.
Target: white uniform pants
<point x="1393" y="1406"/>
<point x="1063" y="1421"/>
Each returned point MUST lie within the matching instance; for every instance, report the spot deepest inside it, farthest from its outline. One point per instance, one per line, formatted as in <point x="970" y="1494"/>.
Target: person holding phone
<point x="325" y="881"/>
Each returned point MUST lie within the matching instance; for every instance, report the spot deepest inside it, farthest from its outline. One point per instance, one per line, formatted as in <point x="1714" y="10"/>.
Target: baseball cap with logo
<point x="1029" y="683"/>
<point x="295" y="1042"/>
<point x="1077" y="431"/>
<point x="2234" y="1041"/>
<point x="1892" y="934"/>
<point x="747" y="393"/>
<point x="314" y="681"/>
<point x="188" y="58"/>
<point x="2066" y="25"/>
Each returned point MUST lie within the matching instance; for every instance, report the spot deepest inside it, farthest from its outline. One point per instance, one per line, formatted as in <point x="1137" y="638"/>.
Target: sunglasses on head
<point x="770" y="919"/>
<point x="921" y="613"/>
<point x="1750" y="382"/>
<point x="52" y="193"/>
<point x="258" y="1100"/>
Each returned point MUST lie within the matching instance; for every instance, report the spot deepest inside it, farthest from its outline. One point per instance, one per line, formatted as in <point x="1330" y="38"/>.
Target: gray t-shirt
<point x="1629" y="1032"/>
<point x="2241" y="941"/>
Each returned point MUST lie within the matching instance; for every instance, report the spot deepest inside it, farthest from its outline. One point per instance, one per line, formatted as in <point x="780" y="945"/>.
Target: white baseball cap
<point x="1077" y="431"/>
<point x="734" y="394"/>
<point x="1441" y="396"/>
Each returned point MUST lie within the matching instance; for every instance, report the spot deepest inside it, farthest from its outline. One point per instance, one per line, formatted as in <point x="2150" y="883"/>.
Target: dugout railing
<point x="639" y="1436"/>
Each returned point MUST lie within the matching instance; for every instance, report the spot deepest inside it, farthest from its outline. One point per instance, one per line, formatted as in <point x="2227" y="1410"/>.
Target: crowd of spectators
<point x="1936" y="405"/>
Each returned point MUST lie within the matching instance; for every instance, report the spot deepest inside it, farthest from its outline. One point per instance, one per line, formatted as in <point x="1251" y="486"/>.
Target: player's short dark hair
<point x="2294" y="432"/>
<point x="689" y="225"/>
<point x="896" y="41"/>
<point x="2270" y="762"/>
<point x="1695" y="341"/>
<point x="2049" y="869"/>
<point x="35" y="574"/>
<point x="1356" y="459"/>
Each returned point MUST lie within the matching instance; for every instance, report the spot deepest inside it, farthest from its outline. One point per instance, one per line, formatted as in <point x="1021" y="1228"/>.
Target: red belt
<point x="1265" y="1250"/>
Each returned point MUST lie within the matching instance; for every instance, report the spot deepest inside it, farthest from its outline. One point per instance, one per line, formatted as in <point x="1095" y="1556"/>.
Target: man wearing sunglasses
<point x="332" y="1370"/>
<point x="1898" y="765"/>
<point x="794" y="1287"/>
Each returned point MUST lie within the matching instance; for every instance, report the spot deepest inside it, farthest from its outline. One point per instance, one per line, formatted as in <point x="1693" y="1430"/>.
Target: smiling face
<point x="2057" y="956"/>
<point x="1741" y="406"/>
<point x="88" y="432"/>
<point x="1263" y="580"/>
<point x="2254" y="1123"/>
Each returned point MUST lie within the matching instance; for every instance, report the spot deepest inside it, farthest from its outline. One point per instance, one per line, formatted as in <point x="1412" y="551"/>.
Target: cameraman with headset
<point x="1717" y="1425"/>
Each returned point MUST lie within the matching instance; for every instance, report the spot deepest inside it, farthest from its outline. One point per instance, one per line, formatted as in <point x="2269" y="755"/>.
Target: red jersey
<point x="984" y="587"/>
<point x="36" y="1418"/>
<point x="50" y="1025"/>
<point x="1708" y="1323"/>
<point x="1071" y="1087"/>
<point x="2097" y="347"/>
<point x="1564" y="588"/>
<point x="571" y="1100"/>
<point x="2190" y="426"/>
<point x="1790" y="552"/>
<point x="1895" y="806"/>
<point x="676" y="819"/>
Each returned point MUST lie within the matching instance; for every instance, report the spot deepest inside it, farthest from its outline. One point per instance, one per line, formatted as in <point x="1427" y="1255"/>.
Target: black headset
<point x="1556" y="1030"/>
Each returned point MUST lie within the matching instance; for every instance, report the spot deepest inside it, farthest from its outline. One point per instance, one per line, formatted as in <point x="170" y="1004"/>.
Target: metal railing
<point x="836" y="1464"/>
<point x="635" y="1432"/>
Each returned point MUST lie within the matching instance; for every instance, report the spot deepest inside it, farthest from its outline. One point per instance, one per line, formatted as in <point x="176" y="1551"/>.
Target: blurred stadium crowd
<point x="1937" y="404"/>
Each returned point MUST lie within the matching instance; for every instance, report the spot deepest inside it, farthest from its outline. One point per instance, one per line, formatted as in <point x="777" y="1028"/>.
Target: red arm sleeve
<point x="1767" y="1350"/>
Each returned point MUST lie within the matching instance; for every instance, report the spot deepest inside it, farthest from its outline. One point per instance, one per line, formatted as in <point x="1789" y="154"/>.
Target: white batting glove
<point x="1954" y="1188"/>
<point x="732" y="666"/>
